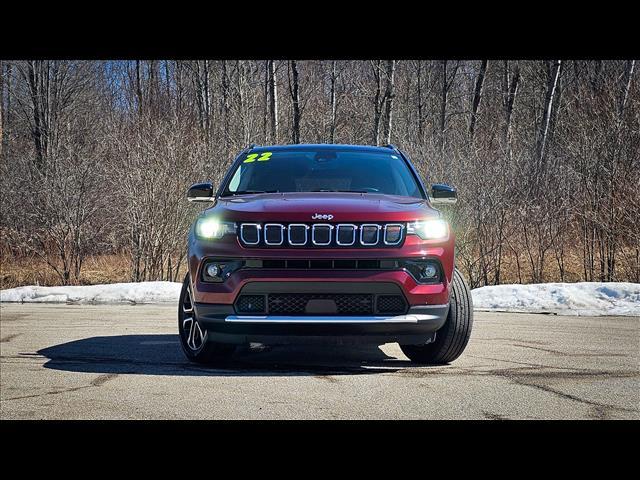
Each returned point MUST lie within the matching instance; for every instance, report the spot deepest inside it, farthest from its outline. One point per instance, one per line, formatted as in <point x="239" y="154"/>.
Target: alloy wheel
<point x="194" y="337"/>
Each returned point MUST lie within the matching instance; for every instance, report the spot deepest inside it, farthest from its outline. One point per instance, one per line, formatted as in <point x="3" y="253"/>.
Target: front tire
<point x="453" y="337"/>
<point x="193" y="338"/>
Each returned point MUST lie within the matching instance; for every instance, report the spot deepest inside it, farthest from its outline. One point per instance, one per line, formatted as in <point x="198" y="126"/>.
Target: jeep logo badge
<point x="321" y="216"/>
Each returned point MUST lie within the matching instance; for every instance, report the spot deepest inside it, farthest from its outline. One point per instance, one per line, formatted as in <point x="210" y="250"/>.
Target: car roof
<point x="319" y="146"/>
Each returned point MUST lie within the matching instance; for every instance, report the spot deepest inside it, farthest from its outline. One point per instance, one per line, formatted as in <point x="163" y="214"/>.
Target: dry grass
<point x="114" y="268"/>
<point x="626" y="268"/>
<point x="18" y="271"/>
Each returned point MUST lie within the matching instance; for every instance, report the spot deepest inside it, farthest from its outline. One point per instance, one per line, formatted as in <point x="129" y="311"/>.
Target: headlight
<point x="210" y="228"/>
<point x="435" y="229"/>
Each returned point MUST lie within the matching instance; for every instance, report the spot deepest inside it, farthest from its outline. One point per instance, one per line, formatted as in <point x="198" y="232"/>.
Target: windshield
<point x="322" y="170"/>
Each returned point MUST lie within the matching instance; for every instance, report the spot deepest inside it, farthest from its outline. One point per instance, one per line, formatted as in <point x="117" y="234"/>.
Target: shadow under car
<point x="162" y="355"/>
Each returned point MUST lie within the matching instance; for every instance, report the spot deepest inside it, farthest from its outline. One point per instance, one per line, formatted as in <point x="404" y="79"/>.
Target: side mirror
<point x="443" y="194"/>
<point x="200" y="192"/>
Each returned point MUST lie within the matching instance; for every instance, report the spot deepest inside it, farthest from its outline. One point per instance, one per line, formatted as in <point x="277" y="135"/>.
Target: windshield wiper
<point x="249" y="192"/>
<point x="342" y="191"/>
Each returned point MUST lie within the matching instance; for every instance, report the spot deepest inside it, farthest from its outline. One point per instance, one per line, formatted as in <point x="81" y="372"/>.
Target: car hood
<point x="325" y="206"/>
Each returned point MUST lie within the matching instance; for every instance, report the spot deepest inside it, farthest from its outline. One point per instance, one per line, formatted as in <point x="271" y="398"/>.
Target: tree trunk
<point x="179" y="87"/>
<point x="512" y="91"/>
<point x="552" y="84"/>
<point x="207" y="96"/>
<point x="477" y="97"/>
<point x="167" y="84"/>
<point x="420" y="105"/>
<point x="241" y="100"/>
<point x="628" y="74"/>
<point x="557" y="104"/>
<point x="377" y="105"/>
<point x="36" y="89"/>
<point x="203" y="96"/>
<point x="7" y="111"/>
<point x="2" y="101"/>
<point x="266" y="116"/>
<point x="596" y="78"/>
<point x="225" y="104"/>
<point x="446" y="84"/>
<point x="388" y="96"/>
<point x="138" y="88"/>
<point x="295" y="100"/>
<point x="154" y="87"/>
<point x="273" y="90"/>
<point x="332" y="100"/>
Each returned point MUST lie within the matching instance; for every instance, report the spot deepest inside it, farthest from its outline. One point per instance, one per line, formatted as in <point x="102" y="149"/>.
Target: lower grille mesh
<point x="321" y="304"/>
<point x="391" y="304"/>
<point x="250" y="304"/>
<point x="296" y="303"/>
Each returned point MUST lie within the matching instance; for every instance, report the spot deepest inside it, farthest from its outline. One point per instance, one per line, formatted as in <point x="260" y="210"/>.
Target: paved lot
<point x="94" y="362"/>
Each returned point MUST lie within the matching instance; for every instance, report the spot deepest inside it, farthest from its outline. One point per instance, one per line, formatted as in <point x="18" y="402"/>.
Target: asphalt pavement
<point x="125" y="362"/>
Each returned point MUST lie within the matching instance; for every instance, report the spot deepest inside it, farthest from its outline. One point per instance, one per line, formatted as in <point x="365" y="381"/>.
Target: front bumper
<point x="413" y="248"/>
<point x="414" y="292"/>
<point x="427" y="304"/>
<point x="417" y="326"/>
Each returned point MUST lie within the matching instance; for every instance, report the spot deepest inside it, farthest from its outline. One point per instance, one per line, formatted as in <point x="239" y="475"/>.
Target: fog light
<point x="213" y="270"/>
<point x="430" y="271"/>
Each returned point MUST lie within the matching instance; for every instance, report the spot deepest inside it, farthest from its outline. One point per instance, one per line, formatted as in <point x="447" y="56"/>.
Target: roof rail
<point x="251" y="145"/>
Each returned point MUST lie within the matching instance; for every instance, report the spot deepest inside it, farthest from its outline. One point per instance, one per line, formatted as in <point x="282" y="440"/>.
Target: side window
<point x="235" y="181"/>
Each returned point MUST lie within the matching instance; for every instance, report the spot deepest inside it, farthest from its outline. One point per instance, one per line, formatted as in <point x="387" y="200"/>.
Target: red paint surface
<point x="299" y="208"/>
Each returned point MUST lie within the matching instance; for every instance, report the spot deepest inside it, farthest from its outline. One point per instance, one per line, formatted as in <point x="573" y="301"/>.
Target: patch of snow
<point x="585" y="298"/>
<point x="582" y="299"/>
<point x="143" y="292"/>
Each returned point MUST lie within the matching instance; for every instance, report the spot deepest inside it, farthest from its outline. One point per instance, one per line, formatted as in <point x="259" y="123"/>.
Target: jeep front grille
<point x="319" y="235"/>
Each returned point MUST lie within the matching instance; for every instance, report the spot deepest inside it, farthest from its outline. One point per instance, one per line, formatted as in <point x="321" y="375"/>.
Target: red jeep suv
<point x="323" y="243"/>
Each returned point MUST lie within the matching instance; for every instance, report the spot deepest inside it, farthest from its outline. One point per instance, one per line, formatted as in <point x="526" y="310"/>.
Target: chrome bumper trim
<point x="409" y="318"/>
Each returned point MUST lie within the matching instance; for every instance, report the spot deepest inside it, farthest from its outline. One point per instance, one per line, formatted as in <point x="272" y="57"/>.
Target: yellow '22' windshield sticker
<point x="253" y="156"/>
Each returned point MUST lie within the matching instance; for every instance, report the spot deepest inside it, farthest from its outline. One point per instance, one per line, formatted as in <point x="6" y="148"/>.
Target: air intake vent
<point x="250" y="304"/>
<point x="391" y="304"/>
<point x="328" y="304"/>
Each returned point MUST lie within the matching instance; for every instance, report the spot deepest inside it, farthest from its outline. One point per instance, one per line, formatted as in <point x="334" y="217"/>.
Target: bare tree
<point x="420" y="104"/>
<point x="446" y="86"/>
<point x="553" y="74"/>
<point x="332" y="102"/>
<point x="628" y="75"/>
<point x="96" y="155"/>
<point x="203" y="95"/>
<point x="388" y="98"/>
<point x="477" y="97"/>
<point x="510" y="88"/>
<point x="378" y="100"/>
<point x="2" y="104"/>
<point x="139" y="97"/>
<point x="294" y="89"/>
<point x="225" y="102"/>
<point x="54" y="214"/>
<point x="273" y="100"/>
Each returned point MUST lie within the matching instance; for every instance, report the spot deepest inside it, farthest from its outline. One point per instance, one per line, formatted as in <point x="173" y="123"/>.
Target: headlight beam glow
<point x="210" y="228"/>
<point x="434" y="229"/>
